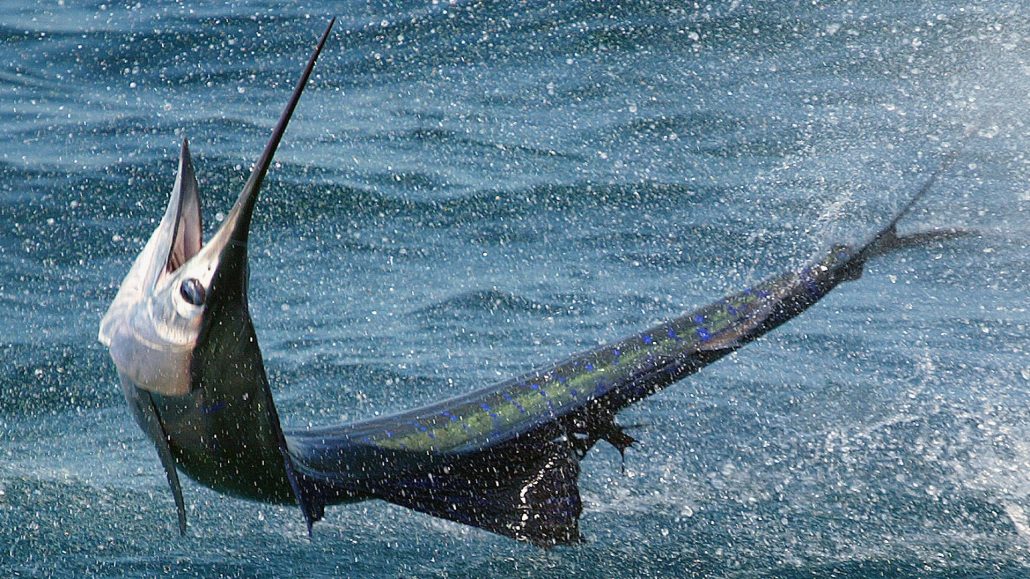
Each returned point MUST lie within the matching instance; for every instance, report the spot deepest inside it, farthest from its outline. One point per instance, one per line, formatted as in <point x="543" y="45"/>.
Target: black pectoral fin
<point x="173" y="482"/>
<point x="529" y="493"/>
<point x="615" y="435"/>
<point x="157" y="433"/>
<point x="600" y="425"/>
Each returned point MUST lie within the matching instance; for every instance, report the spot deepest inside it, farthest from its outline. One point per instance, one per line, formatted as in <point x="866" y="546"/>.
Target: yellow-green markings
<point x="592" y="374"/>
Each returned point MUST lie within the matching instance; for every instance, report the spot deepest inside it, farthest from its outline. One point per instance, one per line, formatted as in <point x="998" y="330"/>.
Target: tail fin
<point x="887" y="238"/>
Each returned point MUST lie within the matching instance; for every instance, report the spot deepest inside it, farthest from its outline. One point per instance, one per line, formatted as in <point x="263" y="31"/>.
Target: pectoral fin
<point x="152" y="423"/>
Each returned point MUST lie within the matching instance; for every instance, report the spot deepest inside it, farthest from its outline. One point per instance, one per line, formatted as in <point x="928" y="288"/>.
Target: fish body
<point x="553" y="401"/>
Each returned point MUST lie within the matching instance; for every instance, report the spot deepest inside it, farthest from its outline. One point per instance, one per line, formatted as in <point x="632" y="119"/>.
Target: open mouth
<point x="187" y="238"/>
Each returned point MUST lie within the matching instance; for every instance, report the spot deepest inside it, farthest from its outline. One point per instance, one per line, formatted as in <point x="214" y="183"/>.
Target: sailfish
<point x="504" y="458"/>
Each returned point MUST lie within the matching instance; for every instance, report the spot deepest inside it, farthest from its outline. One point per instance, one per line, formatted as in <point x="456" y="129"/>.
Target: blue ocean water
<point x="470" y="190"/>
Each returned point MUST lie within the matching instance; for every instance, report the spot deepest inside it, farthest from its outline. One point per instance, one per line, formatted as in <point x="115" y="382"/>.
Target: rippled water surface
<point x="471" y="190"/>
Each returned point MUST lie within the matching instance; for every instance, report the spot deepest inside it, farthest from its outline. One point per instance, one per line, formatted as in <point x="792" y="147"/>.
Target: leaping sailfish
<point x="504" y="458"/>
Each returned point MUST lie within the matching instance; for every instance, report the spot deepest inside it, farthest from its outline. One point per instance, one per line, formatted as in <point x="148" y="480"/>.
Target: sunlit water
<point x="472" y="190"/>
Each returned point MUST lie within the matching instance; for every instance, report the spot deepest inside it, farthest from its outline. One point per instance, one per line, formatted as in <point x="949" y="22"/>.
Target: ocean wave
<point x="489" y="303"/>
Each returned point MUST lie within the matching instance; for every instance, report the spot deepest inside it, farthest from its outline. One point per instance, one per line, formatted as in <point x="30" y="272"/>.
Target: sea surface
<point x="470" y="190"/>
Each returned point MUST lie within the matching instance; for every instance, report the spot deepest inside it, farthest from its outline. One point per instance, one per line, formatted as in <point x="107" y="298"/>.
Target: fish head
<point x="178" y="289"/>
<point x="179" y="332"/>
<point x="180" y="317"/>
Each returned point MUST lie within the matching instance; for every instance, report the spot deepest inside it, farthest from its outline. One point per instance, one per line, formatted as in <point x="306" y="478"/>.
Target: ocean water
<point x="470" y="190"/>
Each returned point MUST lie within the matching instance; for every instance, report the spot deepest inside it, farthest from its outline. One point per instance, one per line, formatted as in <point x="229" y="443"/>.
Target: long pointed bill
<point x="228" y="247"/>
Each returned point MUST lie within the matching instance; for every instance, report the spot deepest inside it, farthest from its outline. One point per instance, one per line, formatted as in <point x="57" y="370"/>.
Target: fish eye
<point x="192" y="291"/>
